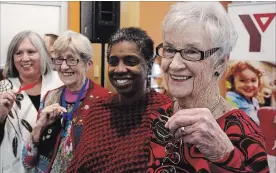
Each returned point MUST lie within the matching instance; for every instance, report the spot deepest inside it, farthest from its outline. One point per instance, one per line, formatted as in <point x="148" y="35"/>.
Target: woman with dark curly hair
<point x="116" y="135"/>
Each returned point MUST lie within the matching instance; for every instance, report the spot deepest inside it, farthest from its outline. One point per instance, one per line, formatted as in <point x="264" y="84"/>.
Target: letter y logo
<point x="254" y="34"/>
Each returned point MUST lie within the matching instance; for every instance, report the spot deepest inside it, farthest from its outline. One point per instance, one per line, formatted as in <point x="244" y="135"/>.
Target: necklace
<point x="216" y="105"/>
<point x="20" y="96"/>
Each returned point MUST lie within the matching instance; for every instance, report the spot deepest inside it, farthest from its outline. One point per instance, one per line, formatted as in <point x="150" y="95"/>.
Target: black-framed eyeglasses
<point x="69" y="62"/>
<point x="189" y="54"/>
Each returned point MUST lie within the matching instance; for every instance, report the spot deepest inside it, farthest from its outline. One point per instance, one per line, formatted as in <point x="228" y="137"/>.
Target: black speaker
<point x="99" y="20"/>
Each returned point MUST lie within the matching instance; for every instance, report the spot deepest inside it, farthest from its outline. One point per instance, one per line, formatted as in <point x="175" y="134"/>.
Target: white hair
<point x="210" y="17"/>
<point x="75" y="41"/>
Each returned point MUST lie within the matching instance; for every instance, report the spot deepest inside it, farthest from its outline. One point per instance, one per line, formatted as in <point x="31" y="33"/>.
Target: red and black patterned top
<point x="128" y="139"/>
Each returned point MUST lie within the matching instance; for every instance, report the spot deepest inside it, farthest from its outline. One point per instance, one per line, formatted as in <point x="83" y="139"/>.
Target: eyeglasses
<point x="189" y="54"/>
<point x="69" y="62"/>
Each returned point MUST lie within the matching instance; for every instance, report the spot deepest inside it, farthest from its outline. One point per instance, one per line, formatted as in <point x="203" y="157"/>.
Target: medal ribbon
<point x="68" y="116"/>
<point x="26" y="87"/>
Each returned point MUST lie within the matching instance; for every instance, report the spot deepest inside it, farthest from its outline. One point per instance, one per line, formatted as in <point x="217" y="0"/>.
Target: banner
<point x="249" y="82"/>
<point x="255" y="23"/>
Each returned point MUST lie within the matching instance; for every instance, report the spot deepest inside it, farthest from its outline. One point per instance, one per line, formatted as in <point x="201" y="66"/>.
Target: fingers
<point x="53" y="110"/>
<point x="181" y="121"/>
<point x="185" y="131"/>
<point x="63" y="109"/>
<point x="187" y="117"/>
<point x="189" y="135"/>
<point x="6" y="102"/>
<point x="7" y="99"/>
<point x="10" y="95"/>
<point x="50" y="114"/>
<point x="189" y="113"/>
<point x="56" y="111"/>
<point x="191" y="138"/>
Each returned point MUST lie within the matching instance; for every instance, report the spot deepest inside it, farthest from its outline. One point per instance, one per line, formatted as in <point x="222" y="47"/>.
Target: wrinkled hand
<point x="49" y="115"/>
<point x="7" y="99"/>
<point x="202" y="130"/>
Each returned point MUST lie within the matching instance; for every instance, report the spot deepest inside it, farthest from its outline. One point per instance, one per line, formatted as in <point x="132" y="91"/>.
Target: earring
<point x="216" y="73"/>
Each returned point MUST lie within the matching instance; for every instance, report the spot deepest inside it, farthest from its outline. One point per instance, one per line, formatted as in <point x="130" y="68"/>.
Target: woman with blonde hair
<point x="58" y="128"/>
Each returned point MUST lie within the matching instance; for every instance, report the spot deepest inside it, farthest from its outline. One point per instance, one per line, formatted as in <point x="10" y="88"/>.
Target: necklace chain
<point x="216" y="105"/>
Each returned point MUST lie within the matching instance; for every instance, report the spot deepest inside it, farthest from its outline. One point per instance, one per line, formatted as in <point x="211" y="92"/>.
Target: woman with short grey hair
<point x="56" y="134"/>
<point x="28" y="78"/>
<point x="207" y="133"/>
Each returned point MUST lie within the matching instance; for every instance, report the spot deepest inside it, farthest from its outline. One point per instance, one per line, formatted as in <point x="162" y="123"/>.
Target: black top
<point x="1" y="74"/>
<point x="35" y="100"/>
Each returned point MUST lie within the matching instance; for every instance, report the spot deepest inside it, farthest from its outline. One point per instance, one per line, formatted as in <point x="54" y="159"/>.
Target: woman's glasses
<point x="69" y="62"/>
<point x="189" y="54"/>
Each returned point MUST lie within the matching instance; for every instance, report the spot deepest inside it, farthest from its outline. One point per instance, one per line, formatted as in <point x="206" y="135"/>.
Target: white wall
<point x="41" y="17"/>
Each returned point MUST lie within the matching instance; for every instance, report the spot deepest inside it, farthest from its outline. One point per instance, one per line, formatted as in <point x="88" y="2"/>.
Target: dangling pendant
<point x="62" y="121"/>
<point x="19" y="97"/>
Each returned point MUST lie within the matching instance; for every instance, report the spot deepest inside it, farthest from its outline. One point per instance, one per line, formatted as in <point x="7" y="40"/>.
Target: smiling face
<point x="27" y="60"/>
<point x="127" y="68"/>
<point x="246" y="83"/>
<point x="71" y="75"/>
<point x="186" y="78"/>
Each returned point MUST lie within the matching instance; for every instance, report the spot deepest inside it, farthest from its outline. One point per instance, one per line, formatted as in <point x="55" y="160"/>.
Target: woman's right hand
<point x="7" y="99"/>
<point x="49" y="115"/>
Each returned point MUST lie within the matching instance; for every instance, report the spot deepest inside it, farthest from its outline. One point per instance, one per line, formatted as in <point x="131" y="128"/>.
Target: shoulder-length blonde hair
<point x="36" y="40"/>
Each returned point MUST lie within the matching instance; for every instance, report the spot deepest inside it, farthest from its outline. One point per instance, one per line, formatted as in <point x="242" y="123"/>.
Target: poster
<point x="252" y="86"/>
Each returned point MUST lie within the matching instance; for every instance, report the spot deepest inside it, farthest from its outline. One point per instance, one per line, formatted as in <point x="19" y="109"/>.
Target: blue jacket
<point x="249" y="107"/>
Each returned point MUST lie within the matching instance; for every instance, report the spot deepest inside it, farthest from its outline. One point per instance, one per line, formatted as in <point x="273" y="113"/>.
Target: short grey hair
<point x="210" y="17"/>
<point x="36" y="40"/>
<point x="75" y="41"/>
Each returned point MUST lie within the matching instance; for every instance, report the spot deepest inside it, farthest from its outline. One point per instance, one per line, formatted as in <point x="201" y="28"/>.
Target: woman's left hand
<point x="197" y="126"/>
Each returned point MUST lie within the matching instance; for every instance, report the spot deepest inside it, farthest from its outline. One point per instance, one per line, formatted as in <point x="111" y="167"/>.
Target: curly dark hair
<point x="144" y="43"/>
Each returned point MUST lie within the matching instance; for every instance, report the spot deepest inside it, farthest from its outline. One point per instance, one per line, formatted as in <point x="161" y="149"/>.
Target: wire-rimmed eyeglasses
<point x="189" y="54"/>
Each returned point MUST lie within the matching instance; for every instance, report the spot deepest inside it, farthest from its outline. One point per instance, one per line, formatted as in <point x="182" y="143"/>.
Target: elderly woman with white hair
<point x="208" y="134"/>
<point x="199" y="132"/>
<point x="57" y="131"/>
<point x="28" y="77"/>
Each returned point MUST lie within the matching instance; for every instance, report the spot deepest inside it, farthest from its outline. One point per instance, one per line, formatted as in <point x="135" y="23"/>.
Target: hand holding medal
<point x="47" y="117"/>
<point x="8" y="96"/>
<point x="6" y="102"/>
<point x="50" y="114"/>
